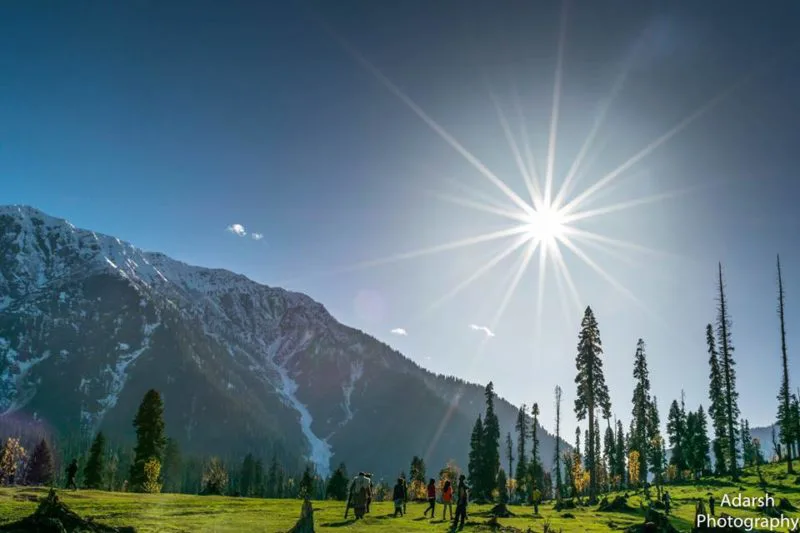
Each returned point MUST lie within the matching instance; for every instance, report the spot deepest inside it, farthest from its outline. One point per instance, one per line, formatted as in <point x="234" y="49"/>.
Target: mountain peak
<point x="89" y="322"/>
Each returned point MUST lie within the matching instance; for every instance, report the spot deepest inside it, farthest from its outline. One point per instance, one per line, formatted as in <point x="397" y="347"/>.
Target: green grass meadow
<point x="187" y="513"/>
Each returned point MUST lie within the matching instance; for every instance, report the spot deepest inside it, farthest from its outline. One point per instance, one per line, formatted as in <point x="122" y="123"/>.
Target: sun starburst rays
<point x="550" y="219"/>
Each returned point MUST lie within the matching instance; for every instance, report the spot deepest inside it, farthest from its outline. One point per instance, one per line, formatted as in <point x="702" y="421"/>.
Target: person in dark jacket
<point x="72" y="471"/>
<point x="431" y="498"/>
<point x="398" y="495"/>
<point x="462" y="499"/>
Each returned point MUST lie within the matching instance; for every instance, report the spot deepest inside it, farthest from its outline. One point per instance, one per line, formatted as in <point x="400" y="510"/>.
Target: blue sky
<point x="163" y="123"/>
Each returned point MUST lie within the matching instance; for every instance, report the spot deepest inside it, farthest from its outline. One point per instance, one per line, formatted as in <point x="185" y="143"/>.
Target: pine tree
<point x="702" y="459"/>
<point x="171" y="470"/>
<point x="592" y="391"/>
<point x="695" y="445"/>
<point x="569" y="483"/>
<point x="94" y="470"/>
<point x="728" y="378"/>
<point x="272" y="478"/>
<point x="609" y="447"/>
<point x="417" y="470"/>
<point x="522" y="439"/>
<point x="307" y="483"/>
<point x="510" y="452"/>
<point x="676" y="431"/>
<point x="40" y="466"/>
<point x="502" y="486"/>
<point x="112" y="467"/>
<point x="597" y="458"/>
<point x="280" y="483"/>
<point x="247" y="476"/>
<point x="557" y="458"/>
<point x="749" y="452"/>
<point x="535" y="468"/>
<point x="784" y="401"/>
<point x="619" y="453"/>
<point x="475" y="466"/>
<point x="716" y="409"/>
<point x="150" y="438"/>
<point x="641" y="403"/>
<point x="258" y="479"/>
<point x="337" y="484"/>
<point x="491" y="444"/>
<point x="656" y="444"/>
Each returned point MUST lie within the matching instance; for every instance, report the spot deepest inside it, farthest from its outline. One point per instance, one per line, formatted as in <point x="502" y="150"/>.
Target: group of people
<point x="360" y="497"/>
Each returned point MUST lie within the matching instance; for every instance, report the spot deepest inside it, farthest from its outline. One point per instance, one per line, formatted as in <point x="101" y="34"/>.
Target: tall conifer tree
<point x="620" y="453"/>
<point x="150" y="437"/>
<point x="41" y="468"/>
<point x="592" y="393"/>
<point x="727" y="364"/>
<point x="94" y="470"/>
<point x="536" y="463"/>
<point x="784" y="400"/>
<point x="475" y="466"/>
<point x="641" y="405"/>
<point x="510" y="452"/>
<point x="716" y="409"/>
<point x="491" y="443"/>
<point x="609" y="446"/>
<point x="676" y="432"/>
<point x="522" y="439"/>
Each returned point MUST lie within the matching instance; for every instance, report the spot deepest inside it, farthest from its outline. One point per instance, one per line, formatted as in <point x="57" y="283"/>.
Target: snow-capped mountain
<point x="88" y="323"/>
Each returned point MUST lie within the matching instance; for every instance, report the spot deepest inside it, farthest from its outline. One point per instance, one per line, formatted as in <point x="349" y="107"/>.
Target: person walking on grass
<point x="447" y="500"/>
<point x="369" y="490"/>
<point x="72" y="471"/>
<point x="667" y="501"/>
<point x="398" y="495"/>
<point x="462" y="498"/>
<point x="431" y="498"/>
<point x="358" y="495"/>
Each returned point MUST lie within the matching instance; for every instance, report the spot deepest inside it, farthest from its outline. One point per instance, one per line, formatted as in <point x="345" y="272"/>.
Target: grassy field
<point x="186" y="513"/>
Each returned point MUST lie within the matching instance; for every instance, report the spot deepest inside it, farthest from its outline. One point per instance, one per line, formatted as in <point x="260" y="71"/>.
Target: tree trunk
<point x="306" y="522"/>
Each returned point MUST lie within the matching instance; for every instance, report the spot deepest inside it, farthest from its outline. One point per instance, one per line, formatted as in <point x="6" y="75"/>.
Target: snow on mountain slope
<point x="89" y="322"/>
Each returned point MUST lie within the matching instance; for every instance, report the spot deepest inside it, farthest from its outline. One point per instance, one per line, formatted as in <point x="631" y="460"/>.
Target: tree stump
<point x="53" y="516"/>
<point x="306" y="522"/>
<point x="501" y="510"/>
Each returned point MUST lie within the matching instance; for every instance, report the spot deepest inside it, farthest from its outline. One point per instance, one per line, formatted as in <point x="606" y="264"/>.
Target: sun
<point x="547" y="224"/>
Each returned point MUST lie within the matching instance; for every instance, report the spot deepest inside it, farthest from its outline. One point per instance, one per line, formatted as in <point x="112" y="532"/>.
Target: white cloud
<point x="237" y="229"/>
<point x="399" y="331"/>
<point x="257" y="236"/>
<point x="482" y="328"/>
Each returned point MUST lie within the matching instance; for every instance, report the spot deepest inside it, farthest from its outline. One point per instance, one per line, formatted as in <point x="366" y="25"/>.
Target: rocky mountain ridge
<point x="89" y="322"/>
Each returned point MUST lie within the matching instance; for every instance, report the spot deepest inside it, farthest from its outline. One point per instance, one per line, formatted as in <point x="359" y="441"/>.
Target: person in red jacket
<point x="431" y="498"/>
